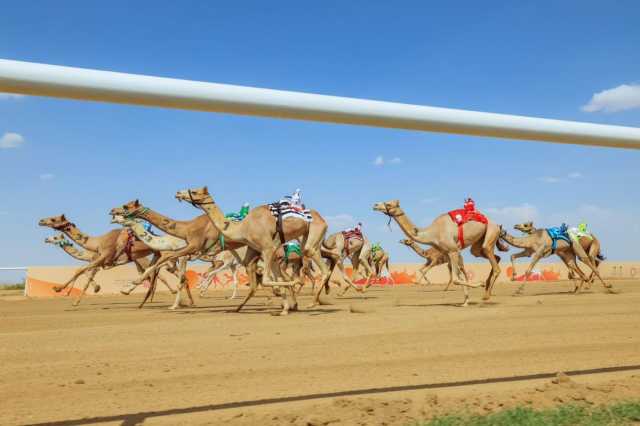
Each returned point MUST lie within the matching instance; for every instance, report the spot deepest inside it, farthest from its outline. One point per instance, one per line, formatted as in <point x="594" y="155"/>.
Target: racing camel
<point x="264" y="233"/>
<point x="434" y="257"/>
<point x="108" y="247"/>
<point x="444" y="234"/>
<point x="541" y="243"/>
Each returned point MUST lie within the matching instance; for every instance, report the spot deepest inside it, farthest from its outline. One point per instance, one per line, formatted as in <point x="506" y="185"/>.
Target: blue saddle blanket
<point x="558" y="233"/>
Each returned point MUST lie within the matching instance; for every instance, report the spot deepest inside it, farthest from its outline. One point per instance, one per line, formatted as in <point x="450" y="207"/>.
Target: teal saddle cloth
<point x="558" y="233"/>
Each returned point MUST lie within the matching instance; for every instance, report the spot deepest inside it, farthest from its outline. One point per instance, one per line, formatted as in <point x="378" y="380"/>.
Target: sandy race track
<point x="106" y="362"/>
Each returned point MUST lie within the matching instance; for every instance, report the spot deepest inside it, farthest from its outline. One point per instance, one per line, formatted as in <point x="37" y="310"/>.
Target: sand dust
<point x="109" y="363"/>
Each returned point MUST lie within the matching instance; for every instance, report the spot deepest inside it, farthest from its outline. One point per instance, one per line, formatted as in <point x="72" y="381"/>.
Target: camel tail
<point x="501" y="245"/>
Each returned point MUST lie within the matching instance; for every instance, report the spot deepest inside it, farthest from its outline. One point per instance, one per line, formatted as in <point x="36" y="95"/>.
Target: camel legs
<point x="584" y="258"/>
<point x="95" y="264"/>
<point x="325" y="275"/>
<point x="523" y="253"/>
<point x="454" y="261"/>
<point x="569" y="259"/>
<point x="182" y="269"/>
<point x="537" y="255"/>
<point x="86" y="285"/>
<point x="253" y="281"/>
<point x="234" y="274"/>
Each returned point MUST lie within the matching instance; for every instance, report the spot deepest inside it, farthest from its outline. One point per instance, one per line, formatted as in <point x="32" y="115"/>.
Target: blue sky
<point x="545" y="59"/>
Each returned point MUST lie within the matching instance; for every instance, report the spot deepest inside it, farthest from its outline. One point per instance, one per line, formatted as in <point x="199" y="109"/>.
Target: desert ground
<point x="391" y="356"/>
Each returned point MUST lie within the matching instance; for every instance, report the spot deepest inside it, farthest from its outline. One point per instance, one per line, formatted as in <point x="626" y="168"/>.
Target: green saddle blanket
<point x="292" y="248"/>
<point x="238" y="216"/>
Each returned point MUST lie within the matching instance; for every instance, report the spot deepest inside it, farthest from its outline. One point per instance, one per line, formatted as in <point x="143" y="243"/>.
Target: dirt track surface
<point x="109" y="363"/>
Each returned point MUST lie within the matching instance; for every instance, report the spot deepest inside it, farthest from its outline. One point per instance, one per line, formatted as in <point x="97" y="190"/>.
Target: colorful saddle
<point x="462" y="216"/>
<point x="580" y="231"/>
<point x="375" y="247"/>
<point x="558" y="233"/>
<point x="238" y="216"/>
<point x="285" y="209"/>
<point x="292" y="247"/>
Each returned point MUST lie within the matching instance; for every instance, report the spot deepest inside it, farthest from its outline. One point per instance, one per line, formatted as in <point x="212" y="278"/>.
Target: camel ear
<point x="205" y="190"/>
<point x="137" y="203"/>
<point x="63" y="217"/>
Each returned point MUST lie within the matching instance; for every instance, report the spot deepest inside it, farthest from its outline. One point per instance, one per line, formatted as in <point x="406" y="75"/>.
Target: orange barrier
<point x="41" y="279"/>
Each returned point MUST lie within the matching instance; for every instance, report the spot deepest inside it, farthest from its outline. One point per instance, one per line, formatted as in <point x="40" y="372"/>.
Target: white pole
<point x="17" y="268"/>
<point x="85" y="84"/>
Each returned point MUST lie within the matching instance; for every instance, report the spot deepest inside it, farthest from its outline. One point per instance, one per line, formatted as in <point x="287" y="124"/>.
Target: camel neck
<point x="424" y="235"/>
<point x="520" y="242"/>
<point x="168" y="225"/>
<point x="419" y="250"/>
<point x="230" y="230"/>
<point x="82" y="239"/>
<point x="77" y="254"/>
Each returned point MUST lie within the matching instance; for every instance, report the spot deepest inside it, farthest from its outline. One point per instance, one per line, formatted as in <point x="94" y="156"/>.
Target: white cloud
<point x="558" y="179"/>
<point x="10" y="96"/>
<point x="621" y="98"/>
<point x="11" y="140"/>
<point x="549" y="179"/>
<point x="513" y="214"/>
<point x="47" y="176"/>
<point x="380" y="161"/>
<point x="340" y="221"/>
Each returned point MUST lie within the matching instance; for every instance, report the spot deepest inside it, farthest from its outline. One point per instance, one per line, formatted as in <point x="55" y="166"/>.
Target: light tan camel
<point x="200" y="235"/>
<point x="161" y="243"/>
<point x="108" y="247"/>
<point x="591" y="247"/>
<point x="435" y="257"/>
<point x="84" y="255"/>
<point x="379" y="260"/>
<point x="540" y="245"/>
<point x="229" y="259"/>
<point x="337" y="248"/>
<point x="443" y="234"/>
<point x="260" y="231"/>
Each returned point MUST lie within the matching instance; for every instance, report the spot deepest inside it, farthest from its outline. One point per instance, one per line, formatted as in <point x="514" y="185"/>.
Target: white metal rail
<point x="85" y="84"/>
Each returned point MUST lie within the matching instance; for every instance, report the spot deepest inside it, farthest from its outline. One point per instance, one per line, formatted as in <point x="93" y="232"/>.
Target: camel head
<point x="124" y="221"/>
<point x="129" y="210"/>
<point x="195" y="196"/>
<point x="525" y="228"/>
<point x="56" y="222"/>
<point x="390" y="208"/>
<point x="406" y="242"/>
<point x="56" y="239"/>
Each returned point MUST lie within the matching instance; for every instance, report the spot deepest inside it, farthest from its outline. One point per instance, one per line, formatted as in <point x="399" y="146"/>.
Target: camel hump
<point x="330" y="242"/>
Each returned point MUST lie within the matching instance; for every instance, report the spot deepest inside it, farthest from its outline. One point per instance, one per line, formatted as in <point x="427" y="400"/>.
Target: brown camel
<point x="540" y="245"/>
<point x="591" y="247"/>
<point x="443" y="234"/>
<point x="336" y="248"/>
<point x="201" y="238"/>
<point x="260" y="231"/>
<point x="108" y="248"/>
<point x="435" y="257"/>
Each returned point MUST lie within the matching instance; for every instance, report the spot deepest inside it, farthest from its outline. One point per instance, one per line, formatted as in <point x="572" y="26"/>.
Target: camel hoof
<point x="173" y="307"/>
<point x="311" y="306"/>
<point x="485" y="298"/>
<point x="58" y="289"/>
<point x="75" y="303"/>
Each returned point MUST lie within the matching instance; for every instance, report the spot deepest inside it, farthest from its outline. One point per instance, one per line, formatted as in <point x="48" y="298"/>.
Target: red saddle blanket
<point x="353" y="233"/>
<point x="462" y="216"/>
